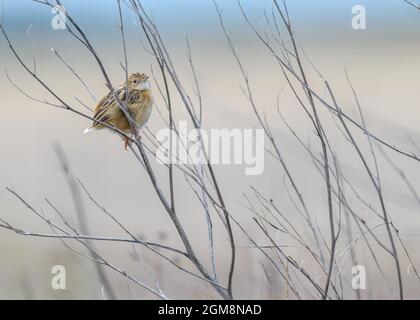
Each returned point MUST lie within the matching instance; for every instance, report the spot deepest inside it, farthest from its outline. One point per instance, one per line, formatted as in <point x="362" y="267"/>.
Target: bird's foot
<point x="127" y="143"/>
<point x="136" y="135"/>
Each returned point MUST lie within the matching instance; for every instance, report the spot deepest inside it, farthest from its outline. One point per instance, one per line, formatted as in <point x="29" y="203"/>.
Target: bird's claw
<point x="127" y="143"/>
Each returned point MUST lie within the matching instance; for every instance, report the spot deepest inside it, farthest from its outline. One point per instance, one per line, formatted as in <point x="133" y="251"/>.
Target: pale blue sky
<point x="314" y="21"/>
<point x="386" y="13"/>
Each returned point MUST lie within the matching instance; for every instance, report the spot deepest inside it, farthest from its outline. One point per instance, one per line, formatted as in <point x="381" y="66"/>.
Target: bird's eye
<point x="135" y="81"/>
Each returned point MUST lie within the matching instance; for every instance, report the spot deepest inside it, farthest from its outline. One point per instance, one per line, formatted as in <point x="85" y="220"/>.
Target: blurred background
<point x="384" y="68"/>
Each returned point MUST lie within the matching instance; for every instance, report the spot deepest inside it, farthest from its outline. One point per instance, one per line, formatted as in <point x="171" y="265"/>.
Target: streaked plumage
<point x="140" y="102"/>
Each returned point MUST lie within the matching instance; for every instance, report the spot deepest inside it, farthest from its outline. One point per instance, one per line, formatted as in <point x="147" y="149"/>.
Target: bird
<point x="139" y="102"/>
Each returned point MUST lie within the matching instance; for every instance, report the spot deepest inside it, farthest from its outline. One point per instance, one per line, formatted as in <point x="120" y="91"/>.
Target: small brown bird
<point x="139" y="103"/>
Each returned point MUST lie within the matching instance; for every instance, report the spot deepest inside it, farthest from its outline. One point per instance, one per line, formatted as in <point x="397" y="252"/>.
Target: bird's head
<point x="139" y="81"/>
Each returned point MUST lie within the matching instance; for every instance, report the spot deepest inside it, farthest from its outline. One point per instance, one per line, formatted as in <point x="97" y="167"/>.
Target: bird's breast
<point x="143" y="109"/>
<point x="143" y="114"/>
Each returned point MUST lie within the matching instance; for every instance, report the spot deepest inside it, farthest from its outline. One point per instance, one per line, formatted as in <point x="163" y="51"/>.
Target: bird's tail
<point x="88" y="130"/>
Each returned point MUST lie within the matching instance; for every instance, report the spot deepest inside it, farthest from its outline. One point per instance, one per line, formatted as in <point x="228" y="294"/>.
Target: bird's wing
<point x="104" y="107"/>
<point x="133" y="96"/>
